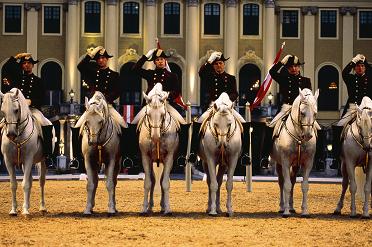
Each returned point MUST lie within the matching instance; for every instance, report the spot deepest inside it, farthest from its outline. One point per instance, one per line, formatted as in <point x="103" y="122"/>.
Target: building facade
<point x="325" y="34"/>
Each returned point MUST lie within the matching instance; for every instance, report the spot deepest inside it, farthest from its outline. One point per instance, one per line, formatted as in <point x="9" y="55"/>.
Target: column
<point x="231" y="36"/>
<point x="72" y="49"/>
<point x="111" y="37"/>
<point x="347" y="45"/>
<point x="32" y="32"/>
<point x="269" y="40"/>
<point x="309" y="42"/>
<point x="192" y="51"/>
<point x="149" y="28"/>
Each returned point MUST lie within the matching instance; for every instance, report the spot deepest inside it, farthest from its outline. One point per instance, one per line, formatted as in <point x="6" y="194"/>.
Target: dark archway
<point x="132" y="88"/>
<point x="177" y="70"/>
<point x="249" y="83"/>
<point x="328" y="84"/>
<point x="51" y="75"/>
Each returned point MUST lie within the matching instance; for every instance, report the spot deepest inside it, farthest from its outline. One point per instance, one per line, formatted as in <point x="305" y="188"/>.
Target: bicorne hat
<point x="27" y="59"/>
<point x="293" y="60"/>
<point x="102" y="53"/>
<point x="222" y="58"/>
<point x="158" y="53"/>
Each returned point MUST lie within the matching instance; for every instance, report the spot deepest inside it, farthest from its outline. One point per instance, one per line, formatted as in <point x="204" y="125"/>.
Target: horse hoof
<point x="88" y="212"/>
<point x="292" y="211"/>
<point x="144" y="214"/>
<point x="13" y="214"/>
<point x="305" y="216"/>
<point x="213" y="214"/>
<point x="285" y="216"/>
<point x="111" y="214"/>
<point x="231" y="214"/>
<point x="281" y="211"/>
<point x="365" y="217"/>
<point x="353" y="216"/>
<point x="43" y="212"/>
<point x="167" y="214"/>
<point x="337" y="212"/>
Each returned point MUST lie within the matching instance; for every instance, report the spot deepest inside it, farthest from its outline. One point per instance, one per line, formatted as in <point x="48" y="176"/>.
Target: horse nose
<point x="11" y="135"/>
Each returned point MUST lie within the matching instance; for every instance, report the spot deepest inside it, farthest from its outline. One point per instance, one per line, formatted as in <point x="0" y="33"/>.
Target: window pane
<point x="251" y="21"/>
<point x="328" y="23"/>
<point x="131" y="17"/>
<point x="92" y="17"/>
<point x="290" y="23"/>
<point x="13" y="18"/>
<point x="52" y="19"/>
<point x="365" y="24"/>
<point x="329" y="88"/>
<point x="212" y="18"/>
<point x="171" y="18"/>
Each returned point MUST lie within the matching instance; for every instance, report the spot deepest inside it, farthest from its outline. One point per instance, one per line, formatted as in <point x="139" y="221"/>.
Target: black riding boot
<point x="336" y="145"/>
<point x="183" y="143"/>
<point x="47" y="140"/>
<point x="129" y="145"/>
<point x="245" y="157"/>
<point x="76" y="143"/>
<point x="195" y="141"/>
<point x="267" y="146"/>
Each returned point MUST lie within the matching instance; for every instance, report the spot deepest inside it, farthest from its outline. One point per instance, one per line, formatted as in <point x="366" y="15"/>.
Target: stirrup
<point x="49" y="162"/>
<point x="127" y="162"/>
<point x="192" y="158"/>
<point x="264" y="163"/>
<point x="181" y="161"/>
<point x="245" y="160"/>
<point x="74" y="164"/>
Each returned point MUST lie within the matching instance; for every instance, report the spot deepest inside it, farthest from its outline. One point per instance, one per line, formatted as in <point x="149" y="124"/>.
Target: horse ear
<point x="316" y="94"/>
<point x="359" y="110"/>
<point x="86" y="103"/>
<point x="147" y="99"/>
<point x="16" y="92"/>
<point x="165" y="96"/>
<point x="215" y="106"/>
<point x="300" y="93"/>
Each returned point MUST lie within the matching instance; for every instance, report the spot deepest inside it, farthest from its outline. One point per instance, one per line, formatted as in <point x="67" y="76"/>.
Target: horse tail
<point x="360" y="179"/>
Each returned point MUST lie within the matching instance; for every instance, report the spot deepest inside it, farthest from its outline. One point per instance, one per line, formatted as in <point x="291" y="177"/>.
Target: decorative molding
<point x="192" y="3"/>
<point x="29" y="6"/>
<point x="348" y="10"/>
<point x="72" y="2"/>
<point x="111" y="2"/>
<point x="251" y="57"/>
<point x="150" y="2"/>
<point x="269" y="3"/>
<point x="130" y="55"/>
<point x="309" y="10"/>
<point x="231" y="3"/>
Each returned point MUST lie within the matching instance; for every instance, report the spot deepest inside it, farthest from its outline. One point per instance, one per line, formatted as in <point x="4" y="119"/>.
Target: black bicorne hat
<point x="293" y="60"/>
<point x="158" y="53"/>
<point x="222" y="58"/>
<point x="102" y="53"/>
<point x="363" y="62"/>
<point x="27" y="59"/>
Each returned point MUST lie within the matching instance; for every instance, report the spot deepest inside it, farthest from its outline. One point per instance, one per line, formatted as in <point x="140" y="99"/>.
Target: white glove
<point x="214" y="56"/>
<point x="93" y="51"/>
<point x="149" y="53"/>
<point x="285" y="59"/>
<point x="20" y="55"/>
<point x="358" y="57"/>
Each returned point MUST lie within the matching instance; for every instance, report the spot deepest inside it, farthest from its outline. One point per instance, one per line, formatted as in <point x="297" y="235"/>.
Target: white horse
<point x="357" y="151"/>
<point x="21" y="145"/>
<point x="100" y="145"/>
<point x="158" y="141"/>
<point x="220" y="145"/>
<point x="294" y="148"/>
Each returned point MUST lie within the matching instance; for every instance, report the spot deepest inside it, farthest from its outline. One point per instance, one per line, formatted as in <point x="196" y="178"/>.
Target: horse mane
<point x="25" y="109"/>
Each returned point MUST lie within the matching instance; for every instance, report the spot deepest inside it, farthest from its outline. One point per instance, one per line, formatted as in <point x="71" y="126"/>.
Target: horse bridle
<point x="215" y="133"/>
<point x="163" y="129"/>
<point x="361" y="135"/>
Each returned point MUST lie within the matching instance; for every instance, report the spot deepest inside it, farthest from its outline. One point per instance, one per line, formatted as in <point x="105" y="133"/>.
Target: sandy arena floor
<point x="256" y="221"/>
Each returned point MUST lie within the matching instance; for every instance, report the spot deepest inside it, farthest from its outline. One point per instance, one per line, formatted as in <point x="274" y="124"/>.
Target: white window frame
<point x="320" y="25"/>
<point x="131" y="35"/>
<point x="180" y="35"/>
<point x="259" y="36"/>
<point x="22" y="18"/>
<point x="60" y="19"/>
<point x="102" y="22"/>
<point x="358" y="38"/>
<point x="298" y="24"/>
<point x="212" y="36"/>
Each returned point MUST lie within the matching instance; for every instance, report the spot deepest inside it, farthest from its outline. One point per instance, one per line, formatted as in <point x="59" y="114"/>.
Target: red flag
<point x="266" y="83"/>
<point x="179" y="101"/>
<point x="128" y="113"/>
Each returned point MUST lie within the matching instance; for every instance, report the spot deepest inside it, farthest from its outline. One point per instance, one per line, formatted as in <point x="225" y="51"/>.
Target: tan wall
<point x="86" y="42"/>
<point x="134" y="43"/>
<point x="245" y="45"/>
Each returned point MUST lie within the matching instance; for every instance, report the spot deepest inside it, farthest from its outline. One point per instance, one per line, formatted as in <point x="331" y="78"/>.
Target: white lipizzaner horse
<point x="357" y="151"/>
<point x="220" y="145"/>
<point x="294" y="148"/>
<point x="100" y="145"/>
<point x="158" y="123"/>
<point x="21" y="145"/>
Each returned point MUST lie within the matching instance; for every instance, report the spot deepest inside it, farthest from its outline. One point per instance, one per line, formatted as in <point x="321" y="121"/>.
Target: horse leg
<point x="294" y="170"/>
<point x="281" y="183"/>
<point x="353" y="187"/>
<point x="42" y="173"/>
<point x="229" y="186"/>
<point x="91" y="186"/>
<point x="147" y="183"/>
<point x="153" y="184"/>
<point x="26" y="184"/>
<point x="305" y="187"/>
<point x="13" y="185"/>
<point x="286" y="188"/>
<point x="110" y="186"/>
<point x="221" y="171"/>
<point x="213" y="186"/>
<point x="165" y="184"/>
<point x="209" y="191"/>
<point x="367" y="191"/>
<point x="345" y="184"/>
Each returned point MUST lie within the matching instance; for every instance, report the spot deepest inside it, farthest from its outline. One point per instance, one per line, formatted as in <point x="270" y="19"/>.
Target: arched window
<point x="131" y="82"/>
<point x="177" y="70"/>
<point x="92" y="17"/>
<point x="249" y="83"/>
<point x="51" y="75"/>
<point x="328" y="83"/>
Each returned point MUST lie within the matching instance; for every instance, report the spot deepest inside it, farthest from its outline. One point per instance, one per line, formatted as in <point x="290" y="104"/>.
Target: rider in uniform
<point x="162" y="74"/>
<point x="290" y="80"/>
<point x="217" y="81"/>
<point x="97" y="76"/>
<point x="18" y="73"/>
<point x="359" y="84"/>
